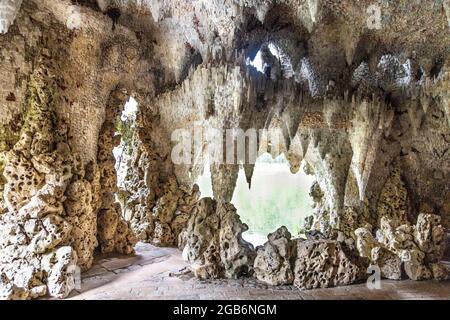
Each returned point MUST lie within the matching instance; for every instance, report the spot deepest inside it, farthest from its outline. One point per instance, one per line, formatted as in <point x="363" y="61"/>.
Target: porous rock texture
<point x="328" y="263"/>
<point x="364" y="107"/>
<point x="212" y="242"/>
<point x="36" y="235"/>
<point x="54" y="189"/>
<point x="273" y="263"/>
<point x="399" y="247"/>
<point x="156" y="204"/>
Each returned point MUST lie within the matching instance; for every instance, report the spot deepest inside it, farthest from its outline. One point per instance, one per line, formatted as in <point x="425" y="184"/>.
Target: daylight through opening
<point x="125" y="126"/>
<point x="276" y="197"/>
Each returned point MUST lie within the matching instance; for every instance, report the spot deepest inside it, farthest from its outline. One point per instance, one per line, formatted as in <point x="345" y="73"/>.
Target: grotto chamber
<point x="196" y="145"/>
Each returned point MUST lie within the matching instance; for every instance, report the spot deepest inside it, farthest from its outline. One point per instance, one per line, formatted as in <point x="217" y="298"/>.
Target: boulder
<point x="273" y="261"/>
<point x="213" y="243"/>
<point x="328" y="263"/>
<point x="389" y="263"/>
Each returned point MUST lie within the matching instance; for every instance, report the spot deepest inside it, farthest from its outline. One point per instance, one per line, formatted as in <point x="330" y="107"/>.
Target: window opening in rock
<point x="276" y="197"/>
<point x="259" y="62"/>
<point x="204" y="182"/>
<point x="125" y="127"/>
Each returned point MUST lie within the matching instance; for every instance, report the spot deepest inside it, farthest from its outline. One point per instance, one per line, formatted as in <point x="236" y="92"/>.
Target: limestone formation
<point x="212" y="242"/>
<point x="416" y="250"/>
<point x="327" y="263"/>
<point x="389" y="263"/>
<point x="8" y="13"/>
<point x="273" y="263"/>
<point x="393" y="202"/>
<point x="10" y="291"/>
<point x="157" y="207"/>
<point x="114" y="234"/>
<point x="429" y="236"/>
<point x="366" y="114"/>
<point x="35" y="252"/>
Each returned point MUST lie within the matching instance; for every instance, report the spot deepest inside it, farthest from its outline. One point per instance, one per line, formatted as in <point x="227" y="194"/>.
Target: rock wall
<point x="367" y="114"/>
<point x="114" y="234"/>
<point x="54" y="190"/>
<point x="401" y="248"/>
<point x="36" y="252"/>
<point x="212" y="242"/>
<point x="157" y="205"/>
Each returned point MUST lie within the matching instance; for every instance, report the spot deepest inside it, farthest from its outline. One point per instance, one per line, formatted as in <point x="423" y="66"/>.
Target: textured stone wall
<point x="365" y="110"/>
<point x="57" y="204"/>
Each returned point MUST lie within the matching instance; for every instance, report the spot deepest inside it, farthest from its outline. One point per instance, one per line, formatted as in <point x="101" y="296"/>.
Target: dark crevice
<point x="114" y="14"/>
<point x="87" y="3"/>
<point x="434" y="72"/>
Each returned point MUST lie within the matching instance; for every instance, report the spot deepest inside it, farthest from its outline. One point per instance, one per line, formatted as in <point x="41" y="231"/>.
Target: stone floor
<point x="159" y="273"/>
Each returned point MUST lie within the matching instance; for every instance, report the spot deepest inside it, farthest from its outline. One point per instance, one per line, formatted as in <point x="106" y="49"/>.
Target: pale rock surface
<point x="273" y="263"/>
<point x="8" y="13"/>
<point x="213" y="243"/>
<point x="417" y="249"/>
<point x="390" y="264"/>
<point x="237" y="255"/>
<point x="372" y="127"/>
<point x="328" y="263"/>
<point x="37" y="258"/>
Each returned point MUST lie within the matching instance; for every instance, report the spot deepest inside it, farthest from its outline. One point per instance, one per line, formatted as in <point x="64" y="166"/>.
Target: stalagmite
<point x="212" y="242"/>
<point x="273" y="260"/>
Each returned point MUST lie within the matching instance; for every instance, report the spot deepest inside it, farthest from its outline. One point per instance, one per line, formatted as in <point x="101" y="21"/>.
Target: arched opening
<point x="260" y="61"/>
<point x="275" y="198"/>
<point x="272" y="61"/>
<point x="124" y="126"/>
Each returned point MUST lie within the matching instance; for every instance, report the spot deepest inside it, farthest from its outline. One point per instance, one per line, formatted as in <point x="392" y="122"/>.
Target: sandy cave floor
<point x="159" y="273"/>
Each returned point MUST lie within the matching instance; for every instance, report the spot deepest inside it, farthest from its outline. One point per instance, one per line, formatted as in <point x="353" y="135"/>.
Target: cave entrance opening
<point x="275" y="198"/>
<point x="125" y="126"/>
<point x="265" y="58"/>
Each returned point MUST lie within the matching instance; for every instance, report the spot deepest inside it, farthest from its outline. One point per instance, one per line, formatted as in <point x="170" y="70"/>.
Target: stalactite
<point x="224" y="179"/>
<point x="371" y="121"/>
<point x="330" y="156"/>
<point x="248" y="169"/>
<point x="350" y="43"/>
<point x="313" y="6"/>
